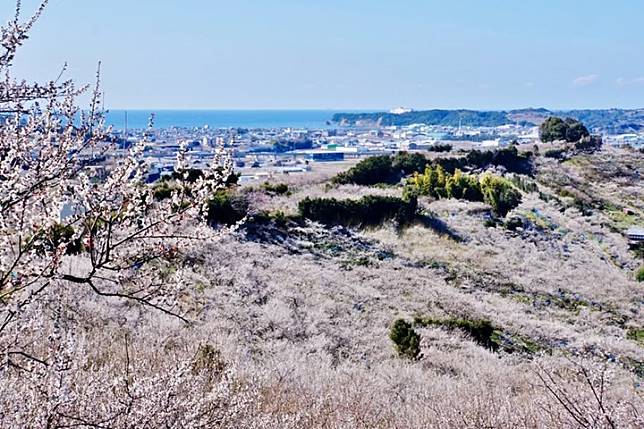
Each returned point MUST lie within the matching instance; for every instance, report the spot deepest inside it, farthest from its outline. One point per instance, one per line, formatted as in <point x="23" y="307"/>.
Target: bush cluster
<point x="371" y="210"/>
<point x="163" y="189"/>
<point x="500" y="194"/>
<point x="636" y="334"/>
<point x="589" y="143"/>
<point x="524" y="184"/>
<point x="440" y="147"/>
<point x="225" y="208"/>
<point x="493" y="190"/>
<point x="405" y="339"/>
<point x="508" y="158"/>
<point x="382" y="169"/>
<point x="387" y="169"/>
<point x="481" y="331"/>
<point x="276" y="189"/>
<point x="166" y="185"/>
<point x="57" y="234"/>
<point x="555" y="153"/>
<point x="282" y="146"/>
<point x="569" y="130"/>
<point x="191" y="175"/>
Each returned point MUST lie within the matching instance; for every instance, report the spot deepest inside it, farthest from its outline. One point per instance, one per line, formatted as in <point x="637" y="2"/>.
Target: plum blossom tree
<point x="62" y="225"/>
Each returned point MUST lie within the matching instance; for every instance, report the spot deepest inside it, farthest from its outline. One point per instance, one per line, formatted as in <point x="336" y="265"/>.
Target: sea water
<point x="138" y="119"/>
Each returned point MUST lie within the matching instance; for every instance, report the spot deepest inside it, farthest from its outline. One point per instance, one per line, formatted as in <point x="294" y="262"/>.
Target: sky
<point x="344" y="54"/>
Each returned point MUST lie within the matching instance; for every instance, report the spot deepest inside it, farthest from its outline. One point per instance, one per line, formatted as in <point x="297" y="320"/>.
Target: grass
<point x="562" y="299"/>
<point x="539" y="220"/>
<point x="620" y="219"/>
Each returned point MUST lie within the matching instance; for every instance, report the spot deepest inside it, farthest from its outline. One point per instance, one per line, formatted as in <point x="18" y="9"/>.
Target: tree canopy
<point x="569" y="130"/>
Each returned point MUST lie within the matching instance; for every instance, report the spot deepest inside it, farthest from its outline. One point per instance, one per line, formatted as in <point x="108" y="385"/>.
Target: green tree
<point x="408" y="163"/>
<point x="569" y="130"/>
<point x="552" y="129"/>
<point x="575" y="131"/>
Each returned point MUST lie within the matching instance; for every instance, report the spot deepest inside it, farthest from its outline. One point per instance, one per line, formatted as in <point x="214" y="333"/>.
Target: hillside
<point x="609" y="121"/>
<point x="292" y="318"/>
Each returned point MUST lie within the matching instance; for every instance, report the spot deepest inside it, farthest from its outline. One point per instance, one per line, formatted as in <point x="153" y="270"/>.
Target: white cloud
<point x="585" y="80"/>
<point x="623" y="82"/>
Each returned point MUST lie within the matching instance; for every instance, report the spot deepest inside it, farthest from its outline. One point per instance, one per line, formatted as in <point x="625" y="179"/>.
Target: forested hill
<point x="429" y="117"/>
<point x="609" y="120"/>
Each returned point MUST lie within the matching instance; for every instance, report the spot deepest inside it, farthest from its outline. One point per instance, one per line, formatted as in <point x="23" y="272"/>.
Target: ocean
<point x="137" y="119"/>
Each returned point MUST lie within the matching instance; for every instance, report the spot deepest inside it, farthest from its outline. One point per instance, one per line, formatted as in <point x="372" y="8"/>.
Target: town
<point x="263" y="153"/>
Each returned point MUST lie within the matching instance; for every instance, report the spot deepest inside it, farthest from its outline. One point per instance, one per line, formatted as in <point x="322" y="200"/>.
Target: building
<point x="400" y="111"/>
<point x="325" y="156"/>
<point x="635" y="236"/>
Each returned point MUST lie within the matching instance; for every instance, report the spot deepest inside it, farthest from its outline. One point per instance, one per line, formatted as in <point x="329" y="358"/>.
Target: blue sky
<point x="345" y="54"/>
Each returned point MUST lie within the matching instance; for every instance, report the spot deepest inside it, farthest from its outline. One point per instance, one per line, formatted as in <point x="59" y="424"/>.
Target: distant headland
<point x="614" y="121"/>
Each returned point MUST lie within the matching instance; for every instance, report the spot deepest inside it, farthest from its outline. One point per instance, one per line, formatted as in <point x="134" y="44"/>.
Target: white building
<point x="400" y="110"/>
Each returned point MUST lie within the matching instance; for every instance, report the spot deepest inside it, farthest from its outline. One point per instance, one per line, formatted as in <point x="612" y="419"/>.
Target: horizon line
<point x="353" y="110"/>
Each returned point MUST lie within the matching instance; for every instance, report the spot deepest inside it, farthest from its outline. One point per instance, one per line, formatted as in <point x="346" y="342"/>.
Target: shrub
<point x="639" y="276"/>
<point x="389" y="170"/>
<point x="431" y="183"/>
<point x="407" y="163"/>
<point x="367" y="172"/>
<point x="382" y="169"/>
<point x="575" y="130"/>
<point x="523" y="184"/>
<point x="589" y="143"/>
<point x="481" y="331"/>
<point x="508" y="158"/>
<point x="163" y="189"/>
<point x="514" y="223"/>
<point x="57" y="234"/>
<point x="406" y="339"/>
<point x="555" y="153"/>
<point x="500" y="194"/>
<point x="440" y="147"/>
<point x="224" y="208"/>
<point x="552" y="129"/>
<point x="276" y="189"/>
<point x="463" y="186"/>
<point x="369" y="211"/>
<point x="636" y="334"/>
<point x="493" y="190"/>
<point x="638" y="250"/>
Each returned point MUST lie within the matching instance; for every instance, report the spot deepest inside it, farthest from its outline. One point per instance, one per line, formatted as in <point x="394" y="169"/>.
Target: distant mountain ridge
<point x="612" y="121"/>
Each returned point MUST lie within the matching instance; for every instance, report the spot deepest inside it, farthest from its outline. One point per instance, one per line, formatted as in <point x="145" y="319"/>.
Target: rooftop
<point x="636" y="230"/>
